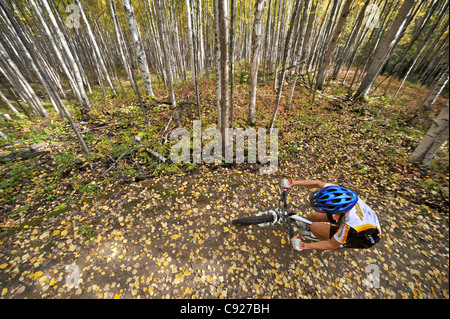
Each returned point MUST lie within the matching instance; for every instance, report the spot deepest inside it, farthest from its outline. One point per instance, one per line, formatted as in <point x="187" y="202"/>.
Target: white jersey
<point x="361" y="219"/>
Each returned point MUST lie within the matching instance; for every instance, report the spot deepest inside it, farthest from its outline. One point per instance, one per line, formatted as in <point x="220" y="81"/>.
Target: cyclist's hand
<point x="286" y="184"/>
<point x="297" y="244"/>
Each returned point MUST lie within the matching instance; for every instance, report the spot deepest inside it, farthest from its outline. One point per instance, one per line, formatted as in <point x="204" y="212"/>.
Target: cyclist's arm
<point x="309" y="183"/>
<point x="324" y="244"/>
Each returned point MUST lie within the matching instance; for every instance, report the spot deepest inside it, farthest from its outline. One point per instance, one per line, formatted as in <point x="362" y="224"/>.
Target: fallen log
<point x="24" y="153"/>
<point x="21" y="156"/>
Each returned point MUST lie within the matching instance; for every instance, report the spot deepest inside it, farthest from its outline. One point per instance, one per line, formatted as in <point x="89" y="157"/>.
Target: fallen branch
<point x="68" y="134"/>
<point x="114" y="164"/>
<point x="155" y="154"/>
<point x="24" y="153"/>
<point x="20" y="156"/>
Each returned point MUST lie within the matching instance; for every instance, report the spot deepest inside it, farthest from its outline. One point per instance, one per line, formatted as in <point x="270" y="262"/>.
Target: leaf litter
<point x="170" y="236"/>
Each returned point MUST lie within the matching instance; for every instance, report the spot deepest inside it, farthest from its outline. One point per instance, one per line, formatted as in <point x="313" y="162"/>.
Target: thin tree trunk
<point x="8" y="103"/>
<point x="51" y="90"/>
<point x="98" y="55"/>
<point x="120" y="43"/>
<point x="433" y="139"/>
<point x="224" y="59"/>
<point x="231" y="54"/>
<point x="76" y="83"/>
<point x="256" y="48"/>
<point x="386" y="47"/>
<point x="165" y="51"/>
<point x="21" y="85"/>
<point x="139" y="48"/>
<point x="285" y="58"/>
<point x="324" y="66"/>
<point x="192" y="54"/>
<point x="431" y="96"/>
<point x="217" y="64"/>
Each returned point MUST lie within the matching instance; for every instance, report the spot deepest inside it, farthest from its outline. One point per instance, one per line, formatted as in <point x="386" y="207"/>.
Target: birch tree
<point x="433" y="139"/>
<point x="285" y="58"/>
<point x="385" y="48"/>
<point x="256" y="49"/>
<point x="75" y="81"/>
<point x="13" y="74"/>
<point x="431" y="97"/>
<point x="49" y="85"/>
<point x="8" y="103"/>
<point x="123" y="52"/>
<point x="224" y="79"/>
<point x="192" y="56"/>
<point x="97" y="54"/>
<point x="217" y="64"/>
<point x="165" y="51"/>
<point x="141" y="57"/>
<point x="324" y="66"/>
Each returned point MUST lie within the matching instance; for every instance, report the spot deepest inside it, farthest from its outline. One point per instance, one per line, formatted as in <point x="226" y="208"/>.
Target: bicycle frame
<point x="284" y="217"/>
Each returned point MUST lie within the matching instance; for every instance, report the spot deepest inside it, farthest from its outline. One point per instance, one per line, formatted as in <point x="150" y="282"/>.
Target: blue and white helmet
<point x="333" y="200"/>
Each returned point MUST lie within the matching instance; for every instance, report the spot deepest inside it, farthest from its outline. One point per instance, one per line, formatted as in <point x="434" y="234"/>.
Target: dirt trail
<point x="172" y="237"/>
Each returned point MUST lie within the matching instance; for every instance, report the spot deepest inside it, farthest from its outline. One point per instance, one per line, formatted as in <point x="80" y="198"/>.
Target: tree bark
<point x="433" y="139"/>
<point x="139" y="48"/>
<point x="217" y="64"/>
<point x="192" y="55"/>
<point x="49" y="84"/>
<point x="324" y="66"/>
<point x="123" y="52"/>
<point x="78" y="86"/>
<point x="224" y="78"/>
<point x="385" y="49"/>
<point x="99" y="56"/>
<point x="232" y="55"/>
<point x="165" y="51"/>
<point x="18" y="81"/>
<point x="256" y="49"/>
<point x="285" y="58"/>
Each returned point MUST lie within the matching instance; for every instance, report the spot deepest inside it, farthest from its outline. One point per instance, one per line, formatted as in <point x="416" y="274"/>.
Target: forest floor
<point x="145" y="232"/>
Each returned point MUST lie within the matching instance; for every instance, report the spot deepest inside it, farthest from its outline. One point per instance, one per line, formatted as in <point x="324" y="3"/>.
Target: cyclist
<point x="353" y="223"/>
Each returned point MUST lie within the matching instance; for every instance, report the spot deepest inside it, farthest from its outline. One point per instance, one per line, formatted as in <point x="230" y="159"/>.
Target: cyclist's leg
<point x="320" y="230"/>
<point x="318" y="217"/>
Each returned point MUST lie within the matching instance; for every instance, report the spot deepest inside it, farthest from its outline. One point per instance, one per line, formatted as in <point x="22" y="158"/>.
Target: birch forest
<point x="92" y="92"/>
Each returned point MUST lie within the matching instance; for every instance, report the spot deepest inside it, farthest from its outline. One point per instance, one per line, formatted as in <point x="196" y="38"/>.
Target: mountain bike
<point x="279" y="216"/>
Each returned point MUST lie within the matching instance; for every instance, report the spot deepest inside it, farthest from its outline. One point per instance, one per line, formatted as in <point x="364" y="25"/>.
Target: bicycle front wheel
<point x="253" y="220"/>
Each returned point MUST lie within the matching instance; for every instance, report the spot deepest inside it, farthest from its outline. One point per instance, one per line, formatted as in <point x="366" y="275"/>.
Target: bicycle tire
<point x="250" y="220"/>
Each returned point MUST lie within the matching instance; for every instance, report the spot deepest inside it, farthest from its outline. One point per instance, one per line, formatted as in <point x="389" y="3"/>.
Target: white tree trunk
<point x="77" y="77"/>
<point x="165" y="51"/>
<point x="432" y="141"/>
<point x="435" y="91"/>
<point x="48" y="84"/>
<point x="140" y="53"/>
<point x="3" y="135"/>
<point x="256" y="49"/>
<point x="10" y="105"/>
<point x="99" y="56"/>
<point x="224" y="79"/>
<point x="385" y="48"/>
<point x="217" y="64"/>
<point x="324" y="66"/>
<point x="121" y="43"/>
<point x="21" y="85"/>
